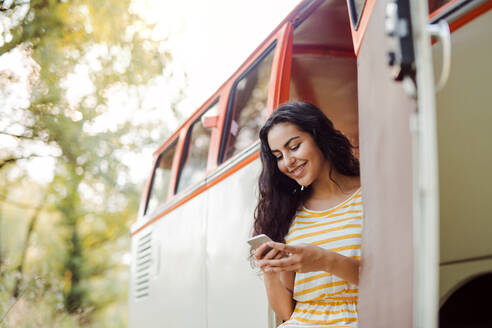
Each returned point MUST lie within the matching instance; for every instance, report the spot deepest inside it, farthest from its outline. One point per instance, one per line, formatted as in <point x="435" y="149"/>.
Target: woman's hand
<point x="308" y="258"/>
<point x="265" y="252"/>
<point x="303" y="258"/>
<point x="279" y="285"/>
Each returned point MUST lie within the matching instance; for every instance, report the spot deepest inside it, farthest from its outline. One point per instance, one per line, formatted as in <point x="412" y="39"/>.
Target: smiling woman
<point x="308" y="164"/>
<point x="300" y="147"/>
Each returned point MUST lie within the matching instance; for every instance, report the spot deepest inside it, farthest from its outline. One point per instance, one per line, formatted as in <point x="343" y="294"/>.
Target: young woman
<point x="310" y="205"/>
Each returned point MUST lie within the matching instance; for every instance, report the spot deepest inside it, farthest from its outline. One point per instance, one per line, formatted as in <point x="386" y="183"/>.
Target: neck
<point x="324" y="187"/>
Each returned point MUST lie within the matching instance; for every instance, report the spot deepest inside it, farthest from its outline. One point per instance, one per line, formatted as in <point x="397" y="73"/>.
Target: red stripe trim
<point x="470" y="16"/>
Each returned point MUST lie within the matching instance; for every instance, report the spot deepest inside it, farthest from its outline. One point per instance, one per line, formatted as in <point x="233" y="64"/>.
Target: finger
<point x="270" y="253"/>
<point x="283" y="247"/>
<point x="283" y="262"/>
<point x="260" y="250"/>
<point x="279" y="255"/>
<point x="294" y="267"/>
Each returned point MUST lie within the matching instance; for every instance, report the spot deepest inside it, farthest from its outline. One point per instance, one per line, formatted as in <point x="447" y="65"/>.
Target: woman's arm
<point x="341" y="266"/>
<point x="278" y="285"/>
<point x="309" y="258"/>
<point x="279" y="297"/>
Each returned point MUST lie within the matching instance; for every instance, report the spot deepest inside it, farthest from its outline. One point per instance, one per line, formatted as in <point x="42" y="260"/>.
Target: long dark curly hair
<point x="281" y="196"/>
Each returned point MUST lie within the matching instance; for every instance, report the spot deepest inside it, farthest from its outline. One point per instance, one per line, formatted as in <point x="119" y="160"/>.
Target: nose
<point x="289" y="160"/>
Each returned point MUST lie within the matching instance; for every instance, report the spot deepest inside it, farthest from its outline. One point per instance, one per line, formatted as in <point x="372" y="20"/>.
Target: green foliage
<point x="72" y="273"/>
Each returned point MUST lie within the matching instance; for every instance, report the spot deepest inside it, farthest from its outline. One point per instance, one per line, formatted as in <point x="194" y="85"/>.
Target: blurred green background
<point x="71" y="95"/>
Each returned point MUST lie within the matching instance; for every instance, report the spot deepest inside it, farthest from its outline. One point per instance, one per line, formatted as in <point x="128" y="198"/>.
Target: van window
<point x="195" y="152"/>
<point x="246" y="111"/>
<point x="160" y="180"/>
<point x="356" y="7"/>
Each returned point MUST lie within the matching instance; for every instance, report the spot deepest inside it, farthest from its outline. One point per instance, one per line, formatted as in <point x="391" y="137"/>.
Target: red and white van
<point x="425" y="168"/>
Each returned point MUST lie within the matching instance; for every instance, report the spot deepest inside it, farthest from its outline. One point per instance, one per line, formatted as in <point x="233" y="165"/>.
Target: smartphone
<point x="257" y="241"/>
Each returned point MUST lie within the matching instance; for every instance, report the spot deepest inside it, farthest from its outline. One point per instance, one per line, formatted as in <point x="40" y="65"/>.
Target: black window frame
<point x="232" y="94"/>
<point x="354" y="16"/>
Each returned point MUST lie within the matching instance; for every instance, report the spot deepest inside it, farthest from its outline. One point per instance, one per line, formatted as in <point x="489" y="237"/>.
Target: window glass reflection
<point x="161" y="178"/>
<point x="356" y="8"/>
<point x="195" y="154"/>
<point x="248" y="108"/>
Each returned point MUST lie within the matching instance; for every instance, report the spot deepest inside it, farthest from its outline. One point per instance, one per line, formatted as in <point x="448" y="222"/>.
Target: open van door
<point x="398" y="156"/>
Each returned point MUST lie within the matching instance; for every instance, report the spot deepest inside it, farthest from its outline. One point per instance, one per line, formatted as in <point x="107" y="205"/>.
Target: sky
<point x="210" y="39"/>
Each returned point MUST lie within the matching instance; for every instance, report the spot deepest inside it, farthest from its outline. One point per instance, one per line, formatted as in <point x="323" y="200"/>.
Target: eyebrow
<point x="286" y="144"/>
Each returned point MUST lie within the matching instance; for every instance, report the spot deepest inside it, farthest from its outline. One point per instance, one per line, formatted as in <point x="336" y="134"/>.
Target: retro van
<point x="409" y="84"/>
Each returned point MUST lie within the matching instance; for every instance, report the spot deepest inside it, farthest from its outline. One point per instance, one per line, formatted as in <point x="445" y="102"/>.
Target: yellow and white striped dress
<point x="323" y="299"/>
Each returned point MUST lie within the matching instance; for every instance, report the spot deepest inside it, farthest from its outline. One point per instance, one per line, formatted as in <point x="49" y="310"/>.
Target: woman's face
<point x="297" y="154"/>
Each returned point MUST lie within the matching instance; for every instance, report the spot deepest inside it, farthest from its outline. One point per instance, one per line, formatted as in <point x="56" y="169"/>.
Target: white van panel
<point x="236" y="294"/>
<point x="201" y="274"/>
<point x="177" y="291"/>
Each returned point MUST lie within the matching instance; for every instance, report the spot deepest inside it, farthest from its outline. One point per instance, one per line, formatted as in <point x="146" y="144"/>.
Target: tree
<point x="79" y="54"/>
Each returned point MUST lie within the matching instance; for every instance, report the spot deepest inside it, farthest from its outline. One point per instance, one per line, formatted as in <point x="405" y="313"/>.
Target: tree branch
<point x="12" y="160"/>
<point x="19" y="35"/>
<point x="18" y="38"/>
<point x="13" y="5"/>
<point x="30" y="228"/>
<point x="18" y="136"/>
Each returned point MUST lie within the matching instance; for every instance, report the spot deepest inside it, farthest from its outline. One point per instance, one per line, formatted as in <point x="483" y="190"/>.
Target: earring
<point x="302" y="188"/>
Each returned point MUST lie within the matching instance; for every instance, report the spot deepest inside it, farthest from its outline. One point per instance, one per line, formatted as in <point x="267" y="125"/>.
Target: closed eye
<point x="295" y="147"/>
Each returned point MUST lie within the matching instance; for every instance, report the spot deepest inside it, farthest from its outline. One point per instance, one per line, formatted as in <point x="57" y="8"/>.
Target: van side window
<point x="356" y="7"/>
<point x="246" y="111"/>
<point x="160" y="180"/>
<point x="195" y="152"/>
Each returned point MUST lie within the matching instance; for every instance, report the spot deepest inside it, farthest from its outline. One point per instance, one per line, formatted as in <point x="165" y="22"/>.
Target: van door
<point x="389" y="154"/>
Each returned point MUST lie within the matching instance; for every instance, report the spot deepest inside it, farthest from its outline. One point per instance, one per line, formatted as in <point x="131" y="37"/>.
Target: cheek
<point x="316" y="160"/>
<point x="281" y="167"/>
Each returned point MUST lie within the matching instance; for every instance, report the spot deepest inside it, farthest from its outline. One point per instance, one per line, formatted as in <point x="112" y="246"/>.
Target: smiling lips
<point x="298" y="171"/>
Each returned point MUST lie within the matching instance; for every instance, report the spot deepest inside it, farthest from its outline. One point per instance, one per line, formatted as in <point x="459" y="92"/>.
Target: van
<point x="408" y="84"/>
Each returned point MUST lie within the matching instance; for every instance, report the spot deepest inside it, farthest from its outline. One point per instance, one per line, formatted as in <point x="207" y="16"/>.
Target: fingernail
<point x="267" y="269"/>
